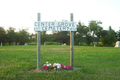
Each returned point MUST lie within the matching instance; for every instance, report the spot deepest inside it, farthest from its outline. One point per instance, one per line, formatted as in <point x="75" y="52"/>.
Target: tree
<point x="32" y="37"/>
<point x="22" y="36"/>
<point x="111" y="36"/>
<point x="2" y="35"/>
<point x="98" y="32"/>
<point x="95" y="28"/>
<point x="118" y="35"/>
<point x="88" y="36"/>
<point x="80" y="34"/>
<point x="43" y="37"/>
<point x="11" y="35"/>
<point x="62" y="37"/>
<point x="108" y="37"/>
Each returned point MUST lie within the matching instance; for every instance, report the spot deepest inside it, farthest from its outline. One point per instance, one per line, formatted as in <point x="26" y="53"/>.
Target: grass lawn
<point x="95" y="63"/>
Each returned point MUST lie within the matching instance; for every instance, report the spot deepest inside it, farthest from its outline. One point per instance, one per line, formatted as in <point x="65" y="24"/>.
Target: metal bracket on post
<point x="71" y="44"/>
<point x="38" y="47"/>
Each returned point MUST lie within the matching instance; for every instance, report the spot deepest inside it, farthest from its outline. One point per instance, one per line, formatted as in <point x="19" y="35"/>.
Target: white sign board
<point x="55" y="26"/>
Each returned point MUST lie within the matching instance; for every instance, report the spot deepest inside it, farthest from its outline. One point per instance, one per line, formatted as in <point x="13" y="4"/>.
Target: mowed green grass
<point x="95" y="63"/>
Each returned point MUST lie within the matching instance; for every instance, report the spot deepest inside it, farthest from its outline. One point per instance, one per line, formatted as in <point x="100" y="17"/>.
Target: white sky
<point x="21" y="13"/>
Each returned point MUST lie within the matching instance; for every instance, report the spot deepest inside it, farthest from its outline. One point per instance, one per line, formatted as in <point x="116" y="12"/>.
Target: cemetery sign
<point x="55" y="26"/>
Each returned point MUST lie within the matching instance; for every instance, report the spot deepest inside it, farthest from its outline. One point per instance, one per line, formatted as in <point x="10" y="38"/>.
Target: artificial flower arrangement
<point x="56" y="66"/>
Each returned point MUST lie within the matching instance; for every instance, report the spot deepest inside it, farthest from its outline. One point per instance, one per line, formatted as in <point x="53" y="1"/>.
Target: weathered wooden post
<point x="71" y="45"/>
<point x="38" y="47"/>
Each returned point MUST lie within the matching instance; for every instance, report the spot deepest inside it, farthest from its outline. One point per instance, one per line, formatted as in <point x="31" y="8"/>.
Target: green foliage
<point x="118" y="35"/>
<point x="88" y="39"/>
<point x="43" y="37"/>
<point x="95" y="29"/>
<point x="22" y="36"/>
<point x="20" y="62"/>
<point x="84" y="34"/>
<point x="95" y="26"/>
<point x="52" y="43"/>
<point x="80" y="34"/>
<point x="61" y="37"/>
<point x="11" y="35"/>
<point x="32" y="37"/>
<point x="2" y="35"/>
<point x="108" y="37"/>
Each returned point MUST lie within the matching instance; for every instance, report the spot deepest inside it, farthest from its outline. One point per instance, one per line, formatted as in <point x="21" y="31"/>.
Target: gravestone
<point x="1" y="43"/>
<point x="25" y="44"/>
<point x="64" y="44"/>
<point x="17" y="44"/>
<point x="44" y="43"/>
<point x="117" y="44"/>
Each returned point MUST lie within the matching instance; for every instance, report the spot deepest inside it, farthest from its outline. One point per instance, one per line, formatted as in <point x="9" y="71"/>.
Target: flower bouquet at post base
<point x="56" y="66"/>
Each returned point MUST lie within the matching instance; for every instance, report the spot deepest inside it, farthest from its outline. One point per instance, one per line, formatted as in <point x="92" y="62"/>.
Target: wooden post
<point x="38" y="47"/>
<point x="71" y="44"/>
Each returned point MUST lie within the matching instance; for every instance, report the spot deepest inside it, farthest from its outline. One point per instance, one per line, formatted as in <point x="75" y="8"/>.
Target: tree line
<point x="9" y="36"/>
<point x="94" y="32"/>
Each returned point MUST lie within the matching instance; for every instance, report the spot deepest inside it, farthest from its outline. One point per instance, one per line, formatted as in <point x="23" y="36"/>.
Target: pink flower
<point x="54" y="64"/>
<point x="63" y="66"/>
<point x="68" y="67"/>
<point x="44" y="67"/>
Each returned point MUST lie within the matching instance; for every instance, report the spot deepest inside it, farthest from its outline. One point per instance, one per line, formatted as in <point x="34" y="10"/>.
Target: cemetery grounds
<point x="90" y="63"/>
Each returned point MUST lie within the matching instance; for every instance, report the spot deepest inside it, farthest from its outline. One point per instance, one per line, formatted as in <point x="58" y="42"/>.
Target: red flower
<point x="44" y="67"/>
<point x="68" y="67"/>
<point x="62" y="65"/>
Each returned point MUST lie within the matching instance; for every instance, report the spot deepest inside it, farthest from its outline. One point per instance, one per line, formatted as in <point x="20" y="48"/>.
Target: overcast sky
<point x="22" y="13"/>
